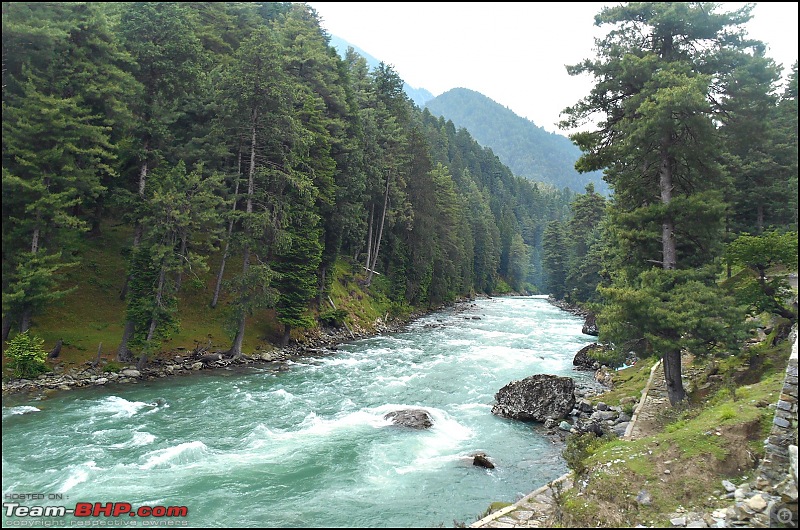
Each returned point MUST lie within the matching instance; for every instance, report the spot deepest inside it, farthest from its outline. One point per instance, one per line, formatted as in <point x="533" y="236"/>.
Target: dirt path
<point x="648" y="418"/>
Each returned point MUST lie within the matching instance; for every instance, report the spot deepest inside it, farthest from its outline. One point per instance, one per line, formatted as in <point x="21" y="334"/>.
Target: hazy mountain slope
<point x="528" y="150"/>
<point x="418" y="95"/>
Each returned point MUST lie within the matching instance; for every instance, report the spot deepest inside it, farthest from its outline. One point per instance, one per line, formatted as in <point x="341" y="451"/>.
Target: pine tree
<point x="656" y="72"/>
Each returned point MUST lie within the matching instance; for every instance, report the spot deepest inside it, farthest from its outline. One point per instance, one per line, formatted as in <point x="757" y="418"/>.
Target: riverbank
<point x="696" y="468"/>
<point x="317" y="342"/>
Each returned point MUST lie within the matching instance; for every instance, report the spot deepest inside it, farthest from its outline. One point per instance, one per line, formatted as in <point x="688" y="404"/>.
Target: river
<point x="307" y="446"/>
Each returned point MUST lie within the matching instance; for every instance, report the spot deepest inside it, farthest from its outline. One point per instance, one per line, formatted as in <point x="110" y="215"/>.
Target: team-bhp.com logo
<point x="96" y="509"/>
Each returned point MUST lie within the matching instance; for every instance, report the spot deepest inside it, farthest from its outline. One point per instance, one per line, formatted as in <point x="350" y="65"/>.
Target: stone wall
<point x="784" y="426"/>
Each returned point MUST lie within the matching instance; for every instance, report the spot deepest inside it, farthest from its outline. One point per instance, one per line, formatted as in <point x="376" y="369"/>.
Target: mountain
<point x="528" y="150"/>
<point x="418" y="95"/>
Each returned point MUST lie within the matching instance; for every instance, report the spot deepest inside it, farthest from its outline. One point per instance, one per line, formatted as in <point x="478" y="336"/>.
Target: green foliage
<point x="578" y="448"/>
<point x="113" y="366"/>
<point x="25" y="355"/>
<point x="555" y="259"/>
<point x="158" y="116"/>
<point x="613" y="358"/>
<point x="672" y="311"/>
<point x="502" y="287"/>
<point x="333" y="317"/>
<point x="759" y="254"/>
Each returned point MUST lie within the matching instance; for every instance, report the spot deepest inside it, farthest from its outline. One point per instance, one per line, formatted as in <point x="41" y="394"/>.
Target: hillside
<point x="418" y="95"/>
<point x="527" y="149"/>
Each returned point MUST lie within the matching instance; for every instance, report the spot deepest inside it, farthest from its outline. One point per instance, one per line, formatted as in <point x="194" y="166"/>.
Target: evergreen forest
<point x="228" y="146"/>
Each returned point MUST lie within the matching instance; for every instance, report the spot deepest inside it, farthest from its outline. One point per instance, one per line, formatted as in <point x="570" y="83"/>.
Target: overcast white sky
<point x="511" y="52"/>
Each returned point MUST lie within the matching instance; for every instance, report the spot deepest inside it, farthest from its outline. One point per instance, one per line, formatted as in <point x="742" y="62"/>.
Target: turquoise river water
<point x="307" y="446"/>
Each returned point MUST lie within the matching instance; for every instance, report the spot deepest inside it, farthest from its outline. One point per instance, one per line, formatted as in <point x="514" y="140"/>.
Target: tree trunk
<point x="56" y="351"/>
<point x="287" y="332"/>
<point x="218" y="286"/>
<point x="369" y="238"/>
<point x="97" y="357"/>
<point x="236" y="348"/>
<point x="143" y="173"/>
<point x="323" y="274"/>
<point x="760" y="218"/>
<point x="123" y="352"/>
<point x="159" y="298"/>
<point x="672" y="376"/>
<point x="668" y="226"/>
<point x="179" y="279"/>
<point x="35" y="239"/>
<point x="137" y="235"/>
<point x="6" y="327"/>
<point x="25" y="321"/>
<point x="137" y="238"/>
<point x="380" y="232"/>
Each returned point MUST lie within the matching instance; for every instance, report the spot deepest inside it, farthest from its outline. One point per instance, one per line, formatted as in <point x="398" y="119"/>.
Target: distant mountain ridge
<point x="418" y="95"/>
<point x="527" y="149"/>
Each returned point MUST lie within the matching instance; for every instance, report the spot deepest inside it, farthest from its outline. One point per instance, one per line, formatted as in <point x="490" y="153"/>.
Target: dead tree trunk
<point x="56" y="351"/>
<point x="124" y="353"/>
<point x="236" y="348"/>
<point x="380" y="232"/>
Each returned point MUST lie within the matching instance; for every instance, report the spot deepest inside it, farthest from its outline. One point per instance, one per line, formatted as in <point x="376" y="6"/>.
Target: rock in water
<point x="582" y="361"/>
<point x="536" y="398"/>
<point x="414" y="418"/>
<point x="481" y="460"/>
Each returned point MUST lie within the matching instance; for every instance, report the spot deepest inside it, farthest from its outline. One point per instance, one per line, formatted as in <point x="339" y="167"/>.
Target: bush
<point x="613" y="358"/>
<point x="333" y="317"/>
<point x="25" y="355"/>
<point x="578" y="448"/>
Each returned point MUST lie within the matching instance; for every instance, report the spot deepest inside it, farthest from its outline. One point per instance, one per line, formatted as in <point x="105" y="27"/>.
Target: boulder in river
<point x="481" y="460"/>
<point x="582" y="360"/>
<point x="414" y="418"/>
<point x="536" y="398"/>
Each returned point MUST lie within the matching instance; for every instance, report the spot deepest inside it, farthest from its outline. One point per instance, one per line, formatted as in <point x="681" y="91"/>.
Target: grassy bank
<point x="718" y="435"/>
<point x="92" y="314"/>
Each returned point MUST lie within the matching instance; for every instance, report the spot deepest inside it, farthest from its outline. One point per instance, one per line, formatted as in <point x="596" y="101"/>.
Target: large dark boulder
<point x="590" y="326"/>
<point x="481" y="460"/>
<point x="414" y="418"/>
<point x="536" y="398"/>
<point x="582" y="361"/>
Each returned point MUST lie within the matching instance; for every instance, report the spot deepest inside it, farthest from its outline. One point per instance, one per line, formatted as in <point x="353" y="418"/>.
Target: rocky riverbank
<point x="321" y="341"/>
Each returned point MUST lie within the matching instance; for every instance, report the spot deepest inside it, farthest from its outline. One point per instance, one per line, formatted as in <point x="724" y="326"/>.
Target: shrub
<point x="613" y="358"/>
<point x="578" y="448"/>
<point x="333" y="317"/>
<point x="25" y="355"/>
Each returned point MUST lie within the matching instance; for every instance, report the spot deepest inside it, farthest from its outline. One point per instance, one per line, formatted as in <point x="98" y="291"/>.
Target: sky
<point x="511" y="52"/>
